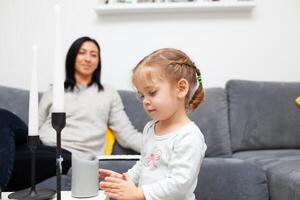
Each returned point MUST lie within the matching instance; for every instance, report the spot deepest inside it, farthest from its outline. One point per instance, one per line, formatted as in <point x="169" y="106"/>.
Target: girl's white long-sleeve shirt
<point x="169" y="164"/>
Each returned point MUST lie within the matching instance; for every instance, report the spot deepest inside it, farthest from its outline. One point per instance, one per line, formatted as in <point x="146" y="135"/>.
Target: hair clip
<point x="195" y="88"/>
<point x="199" y="79"/>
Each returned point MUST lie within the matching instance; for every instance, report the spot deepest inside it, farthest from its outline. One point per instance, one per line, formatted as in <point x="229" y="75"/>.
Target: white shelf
<point x="174" y="7"/>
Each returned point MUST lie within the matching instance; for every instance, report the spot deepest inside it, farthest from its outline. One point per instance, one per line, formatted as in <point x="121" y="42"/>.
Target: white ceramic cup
<point x="85" y="179"/>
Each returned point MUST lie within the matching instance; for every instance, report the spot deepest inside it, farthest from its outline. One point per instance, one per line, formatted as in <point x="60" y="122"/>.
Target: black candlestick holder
<point x="32" y="193"/>
<point x="58" y="123"/>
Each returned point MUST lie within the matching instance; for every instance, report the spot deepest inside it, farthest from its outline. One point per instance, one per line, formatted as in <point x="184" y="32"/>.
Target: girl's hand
<point x="121" y="189"/>
<point x="103" y="173"/>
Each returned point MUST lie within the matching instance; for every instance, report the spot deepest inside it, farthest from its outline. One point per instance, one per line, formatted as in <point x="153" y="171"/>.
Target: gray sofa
<point x="252" y="130"/>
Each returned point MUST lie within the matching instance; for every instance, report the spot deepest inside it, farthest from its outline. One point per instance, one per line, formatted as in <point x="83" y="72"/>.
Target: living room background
<point x="263" y="44"/>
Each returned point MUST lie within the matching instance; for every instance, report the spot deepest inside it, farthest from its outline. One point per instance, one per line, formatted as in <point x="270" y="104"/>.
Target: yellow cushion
<point x="109" y="142"/>
<point x="298" y="101"/>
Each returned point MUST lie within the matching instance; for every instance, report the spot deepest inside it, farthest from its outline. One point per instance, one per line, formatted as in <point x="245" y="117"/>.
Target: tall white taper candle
<point x="33" y="126"/>
<point x="58" y="75"/>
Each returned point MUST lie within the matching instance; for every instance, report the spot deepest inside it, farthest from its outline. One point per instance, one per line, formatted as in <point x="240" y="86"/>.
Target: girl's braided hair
<point x="176" y="65"/>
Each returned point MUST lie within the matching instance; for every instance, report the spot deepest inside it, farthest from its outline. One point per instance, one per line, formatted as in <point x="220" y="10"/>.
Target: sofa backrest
<point x="134" y="109"/>
<point x="15" y="100"/>
<point x="211" y="117"/>
<point x="263" y="115"/>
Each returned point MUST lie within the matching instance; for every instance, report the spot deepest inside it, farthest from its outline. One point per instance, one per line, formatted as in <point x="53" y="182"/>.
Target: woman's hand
<point x="121" y="188"/>
<point x="103" y="173"/>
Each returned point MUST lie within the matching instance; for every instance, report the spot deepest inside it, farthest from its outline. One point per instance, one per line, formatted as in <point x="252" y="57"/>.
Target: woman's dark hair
<point x="70" y="81"/>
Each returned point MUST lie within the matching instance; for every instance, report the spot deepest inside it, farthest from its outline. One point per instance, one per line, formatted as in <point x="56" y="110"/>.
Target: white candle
<point x="58" y="75"/>
<point x="33" y="126"/>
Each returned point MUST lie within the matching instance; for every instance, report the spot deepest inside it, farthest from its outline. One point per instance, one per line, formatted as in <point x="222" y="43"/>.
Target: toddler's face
<point x="159" y="97"/>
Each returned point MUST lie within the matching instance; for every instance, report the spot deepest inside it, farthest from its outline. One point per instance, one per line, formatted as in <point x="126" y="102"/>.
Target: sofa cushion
<point x="117" y="165"/>
<point x="66" y="181"/>
<point x="282" y="168"/>
<point x="263" y="115"/>
<point x="15" y="100"/>
<point x="219" y="179"/>
<point x="256" y="156"/>
<point x="211" y="117"/>
<point x="228" y="179"/>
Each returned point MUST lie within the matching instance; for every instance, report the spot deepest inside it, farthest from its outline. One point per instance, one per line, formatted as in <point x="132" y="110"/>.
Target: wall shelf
<point x="174" y="7"/>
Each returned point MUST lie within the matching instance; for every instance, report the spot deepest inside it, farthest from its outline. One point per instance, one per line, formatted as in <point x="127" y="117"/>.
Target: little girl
<point x="169" y="85"/>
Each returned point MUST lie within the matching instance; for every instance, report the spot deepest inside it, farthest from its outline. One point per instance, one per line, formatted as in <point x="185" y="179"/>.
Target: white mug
<point x="85" y="179"/>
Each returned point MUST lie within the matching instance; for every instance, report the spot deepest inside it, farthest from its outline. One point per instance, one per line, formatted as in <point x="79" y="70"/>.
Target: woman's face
<point x="86" y="60"/>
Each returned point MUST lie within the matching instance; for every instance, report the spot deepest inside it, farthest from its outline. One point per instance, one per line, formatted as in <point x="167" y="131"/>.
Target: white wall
<point x="260" y="45"/>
